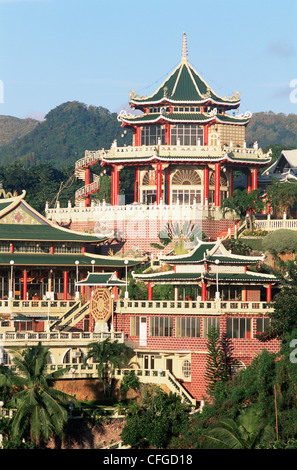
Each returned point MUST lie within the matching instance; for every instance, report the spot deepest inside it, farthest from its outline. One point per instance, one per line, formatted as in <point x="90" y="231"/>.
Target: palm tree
<point x="41" y="409"/>
<point x="244" y="433"/>
<point x="109" y="356"/>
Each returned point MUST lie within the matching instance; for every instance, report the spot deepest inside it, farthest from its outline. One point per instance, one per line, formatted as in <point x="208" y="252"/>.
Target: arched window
<point x="73" y="356"/>
<point x="186" y="178"/>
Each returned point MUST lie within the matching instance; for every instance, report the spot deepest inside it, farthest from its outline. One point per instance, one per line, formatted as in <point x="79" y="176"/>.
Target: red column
<point x="167" y="134"/>
<point x="254" y="178"/>
<point x="137" y="186"/>
<point x="65" y="286"/>
<point x="268" y="293"/>
<point x="203" y="290"/>
<point x="25" y="281"/>
<point x="205" y="185"/>
<point x="231" y="183"/>
<point x="217" y="184"/>
<point x="149" y="291"/>
<point x="159" y="182"/>
<point x="138" y="137"/>
<point x="87" y="182"/>
<point x="205" y="135"/>
<point x="112" y="187"/>
<point x="115" y="186"/>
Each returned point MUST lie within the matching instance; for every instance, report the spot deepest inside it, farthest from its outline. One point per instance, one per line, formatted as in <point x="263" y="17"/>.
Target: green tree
<point x="156" y="421"/>
<point x="245" y="432"/>
<point x="243" y="204"/>
<point x="40" y="409"/>
<point x="219" y="359"/>
<point x="284" y="314"/>
<point x="281" y="196"/>
<point x="109" y="355"/>
<point x="280" y="241"/>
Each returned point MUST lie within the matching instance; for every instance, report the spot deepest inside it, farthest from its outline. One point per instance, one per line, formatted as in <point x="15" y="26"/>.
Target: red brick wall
<point x="244" y="349"/>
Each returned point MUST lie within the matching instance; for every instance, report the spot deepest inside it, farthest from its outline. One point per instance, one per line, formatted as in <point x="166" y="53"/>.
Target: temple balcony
<point x="169" y="151"/>
<point x="44" y="308"/>
<point x="56" y="339"/>
<point x="170" y="307"/>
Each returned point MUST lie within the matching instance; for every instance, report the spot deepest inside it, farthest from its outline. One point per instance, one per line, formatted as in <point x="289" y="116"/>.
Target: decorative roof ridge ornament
<point x="247" y="114"/>
<point x="184" y="49"/>
<point x="234" y="97"/>
<point x="123" y="114"/>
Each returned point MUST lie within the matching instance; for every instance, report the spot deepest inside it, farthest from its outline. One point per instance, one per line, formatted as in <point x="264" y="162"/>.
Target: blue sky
<point x="96" y="52"/>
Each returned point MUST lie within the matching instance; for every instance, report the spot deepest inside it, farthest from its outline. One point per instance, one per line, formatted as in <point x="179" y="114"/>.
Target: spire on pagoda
<point x="184" y="48"/>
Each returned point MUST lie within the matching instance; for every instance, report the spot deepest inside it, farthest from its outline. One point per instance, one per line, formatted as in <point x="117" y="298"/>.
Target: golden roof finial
<point x="184" y="48"/>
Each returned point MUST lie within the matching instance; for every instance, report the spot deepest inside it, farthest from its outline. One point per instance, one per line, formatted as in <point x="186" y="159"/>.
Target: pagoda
<point x="187" y="143"/>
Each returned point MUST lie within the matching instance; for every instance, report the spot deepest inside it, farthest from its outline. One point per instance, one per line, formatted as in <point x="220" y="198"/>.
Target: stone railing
<point x="169" y="307"/>
<point x="92" y="157"/>
<point x="29" y="338"/>
<point x="275" y="224"/>
<point x="182" y="151"/>
<point x="43" y="307"/>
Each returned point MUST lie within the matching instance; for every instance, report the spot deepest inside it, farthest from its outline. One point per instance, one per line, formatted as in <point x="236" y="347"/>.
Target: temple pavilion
<point x="215" y="273"/>
<point x="41" y="262"/>
<point x="188" y="142"/>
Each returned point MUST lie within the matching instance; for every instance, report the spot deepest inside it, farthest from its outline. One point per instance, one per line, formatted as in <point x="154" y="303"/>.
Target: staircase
<point x="229" y="233"/>
<point x="71" y="317"/>
<point x="152" y="376"/>
<point x="81" y="167"/>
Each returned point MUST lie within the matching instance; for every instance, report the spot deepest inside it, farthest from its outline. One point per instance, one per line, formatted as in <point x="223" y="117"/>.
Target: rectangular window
<point x="239" y="328"/>
<point x="151" y="134"/>
<point x="263" y="324"/>
<point x="161" y="326"/>
<point x="134" y="326"/>
<point x="187" y="133"/>
<point x="188" y="327"/>
<point x="186" y="196"/>
<point x="209" y="322"/>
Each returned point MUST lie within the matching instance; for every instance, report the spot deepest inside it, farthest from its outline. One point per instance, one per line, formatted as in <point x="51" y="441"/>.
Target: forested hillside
<point x="62" y="138"/>
<point x="272" y="129"/>
<point x="12" y="128"/>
